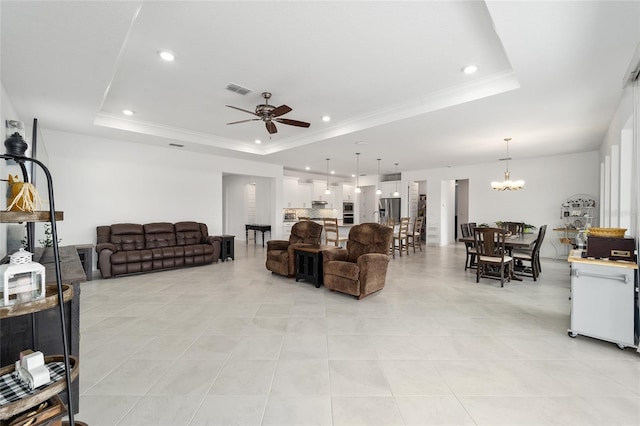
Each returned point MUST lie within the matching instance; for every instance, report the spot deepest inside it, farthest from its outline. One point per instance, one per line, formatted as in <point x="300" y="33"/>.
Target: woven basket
<point x="607" y="232"/>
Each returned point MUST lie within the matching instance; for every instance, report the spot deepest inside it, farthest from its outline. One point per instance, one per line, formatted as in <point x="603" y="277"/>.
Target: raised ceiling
<point x="388" y="73"/>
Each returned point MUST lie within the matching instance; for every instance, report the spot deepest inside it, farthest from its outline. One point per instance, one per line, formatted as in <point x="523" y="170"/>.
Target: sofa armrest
<point x="104" y="258"/>
<point x="211" y="239"/>
<point x="277" y="245"/>
<point x="106" y="246"/>
<point x="216" y="242"/>
<point x="335" y="254"/>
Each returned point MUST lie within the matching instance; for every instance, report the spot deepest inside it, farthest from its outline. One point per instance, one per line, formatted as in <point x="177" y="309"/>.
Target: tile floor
<point x="232" y="344"/>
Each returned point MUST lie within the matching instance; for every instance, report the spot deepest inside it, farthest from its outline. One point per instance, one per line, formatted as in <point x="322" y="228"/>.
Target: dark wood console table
<point x="255" y="228"/>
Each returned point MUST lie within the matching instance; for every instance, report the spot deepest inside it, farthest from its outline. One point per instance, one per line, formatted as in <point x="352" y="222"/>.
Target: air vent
<point x="391" y="177"/>
<point x="238" y="89"/>
<point x="177" y="145"/>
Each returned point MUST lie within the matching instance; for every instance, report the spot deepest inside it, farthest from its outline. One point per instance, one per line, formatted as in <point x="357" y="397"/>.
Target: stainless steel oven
<point x="347" y="213"/>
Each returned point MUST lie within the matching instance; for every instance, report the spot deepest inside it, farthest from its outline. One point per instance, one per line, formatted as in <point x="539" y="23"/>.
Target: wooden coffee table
<point x="309" y="263"/>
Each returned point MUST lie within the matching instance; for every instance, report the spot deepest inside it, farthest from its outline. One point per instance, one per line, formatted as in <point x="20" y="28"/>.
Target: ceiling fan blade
<point x="244" y="110"/>
<point x="271" y="127"/>
<point x="244" y="121"/>
<point x="281" y="110"/>
<point x="293" y="122"/>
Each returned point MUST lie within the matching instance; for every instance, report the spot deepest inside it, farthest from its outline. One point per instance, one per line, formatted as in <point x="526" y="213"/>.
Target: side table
<point x="309" y="264"/>
<point x="85" y="253"/>
<point x="227" y="246"/>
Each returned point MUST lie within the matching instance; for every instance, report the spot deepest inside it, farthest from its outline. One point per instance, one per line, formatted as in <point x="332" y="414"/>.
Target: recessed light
<point x="128" y="112"/>
<point x="470" y="69"/>
<point x="326" y="118"/>
<point x="307" y="168"/>
<point x="258" y="141"/>
<point x="333" y="172"/>
<point x="362" y="143"/>
<point x="353" y="175"/>
<point x="166" y="55"/>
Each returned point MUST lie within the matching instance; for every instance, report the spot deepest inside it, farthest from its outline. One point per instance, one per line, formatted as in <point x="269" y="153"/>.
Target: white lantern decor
<point x="23" y="280"/>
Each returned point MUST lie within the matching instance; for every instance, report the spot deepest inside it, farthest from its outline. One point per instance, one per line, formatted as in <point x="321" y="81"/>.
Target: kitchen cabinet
<point x="319" y="188"/>
<point x="388" y="188"/>
<point x="348" y="192"/>
<point x="296" y="194"/>
<point x="603" y="299"/>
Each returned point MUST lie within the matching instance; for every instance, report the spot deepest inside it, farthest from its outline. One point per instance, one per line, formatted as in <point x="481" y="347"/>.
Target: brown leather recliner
<point x="281" y="253"/>
<point x="361" y="268"/>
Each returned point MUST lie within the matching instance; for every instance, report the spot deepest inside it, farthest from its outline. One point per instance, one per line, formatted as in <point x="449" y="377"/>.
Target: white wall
<point x="104" y="181"/>
<point x="235" y="204"/>
<point x="549" y="181"/>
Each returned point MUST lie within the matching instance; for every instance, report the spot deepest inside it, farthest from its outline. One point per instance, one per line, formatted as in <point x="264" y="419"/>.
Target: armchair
<point x="361" y="268"/>
<point x="281" y="253"/>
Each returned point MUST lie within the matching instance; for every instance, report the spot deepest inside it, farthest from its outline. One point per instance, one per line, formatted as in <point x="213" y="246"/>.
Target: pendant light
<point x="507" y="183"/>
<point x="396" y="193"/>
<point x="378" y="191"/>
<point x="327" y="191"/>
<point x="358" y="190"/>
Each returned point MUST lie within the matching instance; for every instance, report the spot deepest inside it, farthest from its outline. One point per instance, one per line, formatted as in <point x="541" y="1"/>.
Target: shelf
<point x="37" y="216"/>
<point x="50" y="300"/>
<point x="16" y="407"/>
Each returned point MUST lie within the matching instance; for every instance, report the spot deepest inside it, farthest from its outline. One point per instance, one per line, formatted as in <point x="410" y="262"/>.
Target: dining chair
<point x="467" y="231"/>
<point x="531" y="256"/>
<point x="415" y="236"/>
<point x="491" y="254"/>
<point x="400" y="238"/>
<point x="332" y="232"/>
<point x="513" y="227"/>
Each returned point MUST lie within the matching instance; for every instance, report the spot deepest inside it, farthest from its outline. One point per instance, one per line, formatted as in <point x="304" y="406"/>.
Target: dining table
<point x="515" y="241"/>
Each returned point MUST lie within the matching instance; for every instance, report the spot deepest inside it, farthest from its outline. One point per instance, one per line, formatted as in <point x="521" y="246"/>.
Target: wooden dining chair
<point x="332" y="232"/>
<point x="470" y="247"/>
<point x="532" y="257"/>
<point x="415" y="236"/>
<point x="400" y="238"/>
<point x="513" y="227"/>
<point x="492" y="257"/>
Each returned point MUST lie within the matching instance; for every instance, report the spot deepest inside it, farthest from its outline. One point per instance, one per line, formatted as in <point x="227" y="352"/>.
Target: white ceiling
<point x="388" y="73"/>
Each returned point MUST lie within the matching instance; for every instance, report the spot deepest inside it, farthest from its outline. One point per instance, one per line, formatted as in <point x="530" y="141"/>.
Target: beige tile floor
<point x="230" y="343"/>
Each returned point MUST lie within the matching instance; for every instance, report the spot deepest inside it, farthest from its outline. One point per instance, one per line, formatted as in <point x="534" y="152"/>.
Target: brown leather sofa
<point x="361" y="268"/>
<point x="281" y="253"/>
<point x="130" y="248"/>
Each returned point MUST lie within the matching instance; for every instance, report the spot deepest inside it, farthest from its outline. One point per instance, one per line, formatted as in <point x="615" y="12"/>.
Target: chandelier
<point x="507" y="183"/>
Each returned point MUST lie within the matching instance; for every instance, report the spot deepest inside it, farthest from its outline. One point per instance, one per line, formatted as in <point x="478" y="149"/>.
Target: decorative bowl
<point x="607" y="232"/>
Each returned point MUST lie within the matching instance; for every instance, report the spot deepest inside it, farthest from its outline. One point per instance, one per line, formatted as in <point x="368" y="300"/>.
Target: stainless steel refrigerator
<point x="389" y="208"/>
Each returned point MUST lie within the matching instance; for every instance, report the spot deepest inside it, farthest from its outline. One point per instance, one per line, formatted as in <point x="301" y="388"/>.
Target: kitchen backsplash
<point x="312" y="213"/>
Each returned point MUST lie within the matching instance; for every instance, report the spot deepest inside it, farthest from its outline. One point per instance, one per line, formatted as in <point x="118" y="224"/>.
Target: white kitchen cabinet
<point x="304" y="195"/>
<point x="348" y="192"/>
<point x="290" y="192"/>
<point x="319" y="188"/>
<point x="388" y="188"/>
<point x="603" y="300"/>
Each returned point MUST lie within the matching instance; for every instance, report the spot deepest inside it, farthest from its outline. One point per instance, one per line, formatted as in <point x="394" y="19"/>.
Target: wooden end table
<point x="309" y="263"/>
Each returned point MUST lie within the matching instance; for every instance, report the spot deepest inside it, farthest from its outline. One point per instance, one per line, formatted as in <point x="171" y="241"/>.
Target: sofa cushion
<point x="159" y="234"/>
<point x="188" y="233"/>
<point x="127" y="236"/>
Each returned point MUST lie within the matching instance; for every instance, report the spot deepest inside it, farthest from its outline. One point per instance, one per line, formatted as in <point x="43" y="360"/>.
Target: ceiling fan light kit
<point x="507" y="184"/>
<point x="270" y="115"/>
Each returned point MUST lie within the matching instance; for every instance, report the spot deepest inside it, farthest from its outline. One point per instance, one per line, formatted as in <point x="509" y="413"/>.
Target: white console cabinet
<point x="603" y="300"/>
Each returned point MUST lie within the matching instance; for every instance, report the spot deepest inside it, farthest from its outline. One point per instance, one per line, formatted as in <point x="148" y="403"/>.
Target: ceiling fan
<point x="270" y="114"/>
